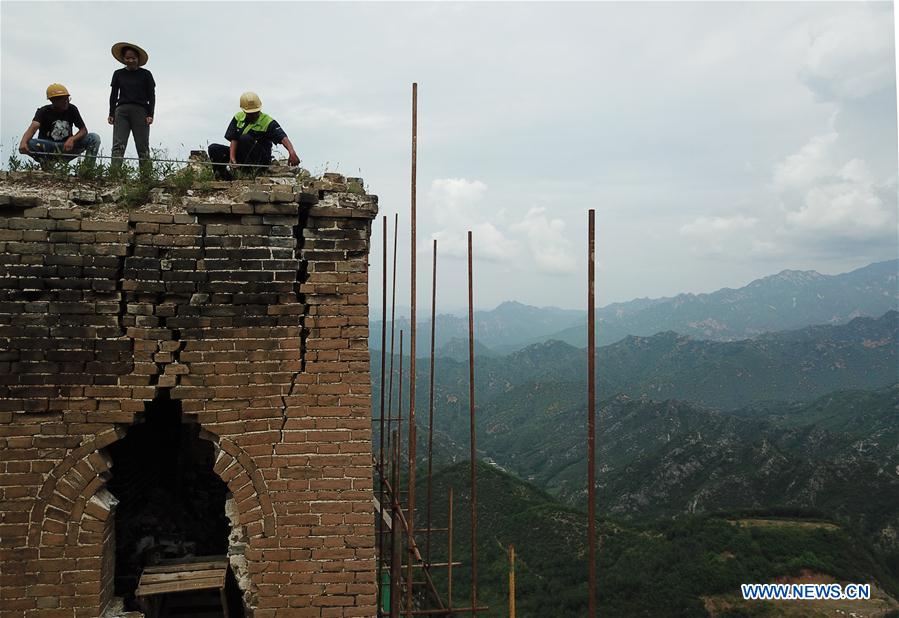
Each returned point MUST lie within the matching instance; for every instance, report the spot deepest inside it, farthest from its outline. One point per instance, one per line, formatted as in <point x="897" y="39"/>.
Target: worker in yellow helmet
<point x="251" y="135"/>
<point x="53" y="124"/>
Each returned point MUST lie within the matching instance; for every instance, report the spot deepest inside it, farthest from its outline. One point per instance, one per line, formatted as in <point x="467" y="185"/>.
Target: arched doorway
<point x="171" y="504"/>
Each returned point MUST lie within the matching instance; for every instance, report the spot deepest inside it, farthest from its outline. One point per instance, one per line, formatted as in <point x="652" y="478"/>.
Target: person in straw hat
<point x="131" y="104"/>
<point x="251" y="135"/>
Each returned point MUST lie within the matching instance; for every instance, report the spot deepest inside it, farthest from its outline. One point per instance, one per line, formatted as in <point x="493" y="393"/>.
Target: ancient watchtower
<point x="186" y="378"/>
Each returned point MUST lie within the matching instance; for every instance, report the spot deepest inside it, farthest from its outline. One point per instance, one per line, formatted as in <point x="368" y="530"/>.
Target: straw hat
<point x="119" y="55"/>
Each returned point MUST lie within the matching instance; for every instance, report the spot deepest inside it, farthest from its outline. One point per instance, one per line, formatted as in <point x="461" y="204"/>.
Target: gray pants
<point x="130" y="118"/>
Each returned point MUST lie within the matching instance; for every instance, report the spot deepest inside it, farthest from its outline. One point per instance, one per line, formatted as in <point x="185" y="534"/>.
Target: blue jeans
<point x="40" y="148"/>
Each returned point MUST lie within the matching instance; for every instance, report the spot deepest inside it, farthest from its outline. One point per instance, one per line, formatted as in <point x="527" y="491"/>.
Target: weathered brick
<point x="117" y="299"/>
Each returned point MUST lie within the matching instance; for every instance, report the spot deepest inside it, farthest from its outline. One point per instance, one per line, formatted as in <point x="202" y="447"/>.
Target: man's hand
<point x="232" y="161"/>
<point x="293" y="159"/>
<point x="23" y="148"/>
<point x="69" y="145"/>
<point x="110" y="120"/>
<point x="149" y="119"/>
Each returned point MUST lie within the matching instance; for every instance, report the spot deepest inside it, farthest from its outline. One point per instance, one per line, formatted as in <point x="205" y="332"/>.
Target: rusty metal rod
<point x="511" y="581"/>
<point x="431" y="402"/>
<point x="381" y="417"/>
<point x="446" y="611"/>
<point x="591" y="414"/>
<point x="449" y="554"/>
<point x="474" y="495"/>
<point x="416" y="553"/>
<point x="392" y="324"/>
<point x="436" y="564"/>
<point x="412" y="329"/>
<point x="399" y="400"/>
<point x="395" y="536"/>
<point x="432" y="530"/>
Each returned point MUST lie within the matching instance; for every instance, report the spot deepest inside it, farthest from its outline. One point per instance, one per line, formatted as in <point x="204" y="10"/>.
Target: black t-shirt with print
<point x="56" y="125"/>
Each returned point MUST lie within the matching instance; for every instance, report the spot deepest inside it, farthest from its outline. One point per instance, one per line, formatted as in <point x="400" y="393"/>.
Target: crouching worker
<point x="53" y="125"/>
<point x="251" y="135"/>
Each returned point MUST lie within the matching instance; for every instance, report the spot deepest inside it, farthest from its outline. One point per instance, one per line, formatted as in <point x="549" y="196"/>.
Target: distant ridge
<point x="787" y="300"/>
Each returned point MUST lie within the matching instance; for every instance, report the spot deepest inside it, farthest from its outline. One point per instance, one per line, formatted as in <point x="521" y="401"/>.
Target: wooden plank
<point x="154" y="578"/>
<point x="178" y="586"/>
<point x="193" y="566"/>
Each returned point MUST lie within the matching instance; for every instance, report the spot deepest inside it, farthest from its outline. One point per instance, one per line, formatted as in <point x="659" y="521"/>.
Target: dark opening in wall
<point x="171" y="502"/>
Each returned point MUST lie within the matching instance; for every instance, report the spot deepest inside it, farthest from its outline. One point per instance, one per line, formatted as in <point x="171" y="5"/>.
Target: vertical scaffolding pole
<point x="591" y="414"/>
<point x="392" y="324"/>
<point x="399" y="408"/>
<point x="395" y="572"/>
<point x="473" y="446"/>
<point x="411" y="497"/>
<point x="511" y="581"/>
<point x="381" y="471"/>
<point x="449" y="555"/>
<point x="431" y="403"/>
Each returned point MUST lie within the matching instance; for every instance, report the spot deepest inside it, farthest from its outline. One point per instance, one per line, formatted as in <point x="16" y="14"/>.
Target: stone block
<point x="276" y="209"/>
<point x="25" y="201"/>
<point x="207" y="208"/>
<point x="84" y="196"/>
<point x="255" y="196"/>
<point x="64" y="213"/>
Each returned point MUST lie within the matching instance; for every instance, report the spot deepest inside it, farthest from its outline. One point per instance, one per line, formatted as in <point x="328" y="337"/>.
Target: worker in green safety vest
<point x="251" y="135"/>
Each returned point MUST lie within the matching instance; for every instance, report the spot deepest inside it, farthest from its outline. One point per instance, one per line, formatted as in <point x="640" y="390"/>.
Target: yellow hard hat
<point x="56" y="90"/>
<point x="250" y="102"/>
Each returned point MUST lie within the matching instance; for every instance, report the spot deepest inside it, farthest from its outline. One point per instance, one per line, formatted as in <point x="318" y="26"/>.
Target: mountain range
<point x="788" y="300"/>
<point x="746" y="435"/>
<point x="801" y="418"/>
<point x="784" y="366"/>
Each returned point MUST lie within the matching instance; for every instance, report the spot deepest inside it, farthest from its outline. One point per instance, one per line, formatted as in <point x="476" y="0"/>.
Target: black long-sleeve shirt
<point x="135" y="86"/>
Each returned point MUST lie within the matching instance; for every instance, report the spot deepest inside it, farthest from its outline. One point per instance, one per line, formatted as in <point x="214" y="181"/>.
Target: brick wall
<point x="253" y="313"/>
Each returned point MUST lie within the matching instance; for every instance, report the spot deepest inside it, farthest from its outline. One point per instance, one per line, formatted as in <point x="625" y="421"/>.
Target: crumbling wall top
<point x="331" y="195"/>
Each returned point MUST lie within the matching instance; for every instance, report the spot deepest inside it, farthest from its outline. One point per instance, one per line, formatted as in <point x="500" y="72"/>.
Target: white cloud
<point x="812" y="162"/>
<point x="452" y="199"/>
<point x="851" y="55"/>
<point x="849" y="206"/>
<point x="491" y="243"/>
<point x="457" y="206"/>
<point x="547" y="242"/>
<point x="488" y="243"/>
<point x="835" y="191"/>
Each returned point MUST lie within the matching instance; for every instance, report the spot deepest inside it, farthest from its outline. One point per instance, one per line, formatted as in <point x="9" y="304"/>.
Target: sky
<point x="717" y="142"/>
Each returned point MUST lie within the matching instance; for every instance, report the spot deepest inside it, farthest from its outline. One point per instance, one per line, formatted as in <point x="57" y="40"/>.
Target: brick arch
<point x="66" y="493"/>
<point x="246" y="483"/>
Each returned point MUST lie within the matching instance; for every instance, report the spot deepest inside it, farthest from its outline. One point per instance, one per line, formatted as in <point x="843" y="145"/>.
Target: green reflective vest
<point x="260" y="125"/>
